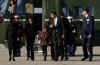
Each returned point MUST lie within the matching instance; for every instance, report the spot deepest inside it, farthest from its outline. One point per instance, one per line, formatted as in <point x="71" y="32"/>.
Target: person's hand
<point x="5" y="41"/>
<point x="81" y="37"/>
<point x="62" y="36"/>
<point x="89" y="36"/>
<point x="51" y="26"/>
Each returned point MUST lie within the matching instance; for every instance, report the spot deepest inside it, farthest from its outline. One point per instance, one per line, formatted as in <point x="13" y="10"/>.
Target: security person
<point x="19" y="34"/>
<point x="73" y="28"/>
<point x="66" y="35"/>
<point x="87" y="35"/>
<point x="11" y="37"/>
<point x="15" y="20"/>
<point x="30" y="37"/>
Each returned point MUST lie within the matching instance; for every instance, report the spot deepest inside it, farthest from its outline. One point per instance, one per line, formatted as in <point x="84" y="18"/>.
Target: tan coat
<point x="43" y="36"/>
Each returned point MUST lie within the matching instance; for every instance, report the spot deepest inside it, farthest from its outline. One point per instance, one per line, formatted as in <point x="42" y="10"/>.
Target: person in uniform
<point x="87" y="35"/>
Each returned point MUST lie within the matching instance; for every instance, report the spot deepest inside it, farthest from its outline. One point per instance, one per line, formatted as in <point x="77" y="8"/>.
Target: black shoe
<point x="52" y="59"/>
<point x="66" y="58"/>
<point x="72" y="55"/>
<point x="9" y="59"/>
<point x="14" y="59"/>
<point x="62" y="58"/>
<point x="27" y="59"/>
<point x="90" y="59"/>
<point x="32" y="59"/>
<point x="45" y="58"/>
<point x="83" y="59"/>
<point x="56" y="59"/>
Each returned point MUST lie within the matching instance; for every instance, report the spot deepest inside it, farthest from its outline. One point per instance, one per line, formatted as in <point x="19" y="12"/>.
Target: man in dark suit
<point x="56" y="27"/>
<point x="30" y="37"/>
<point x="87" y="35"/>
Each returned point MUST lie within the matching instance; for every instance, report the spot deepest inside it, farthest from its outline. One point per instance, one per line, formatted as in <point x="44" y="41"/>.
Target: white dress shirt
<point x="55" y="21"/>
<point x="87" y="19"/>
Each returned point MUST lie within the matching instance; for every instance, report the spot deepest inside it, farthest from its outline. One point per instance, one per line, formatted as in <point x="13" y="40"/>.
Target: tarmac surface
<point x="39" y="58"/>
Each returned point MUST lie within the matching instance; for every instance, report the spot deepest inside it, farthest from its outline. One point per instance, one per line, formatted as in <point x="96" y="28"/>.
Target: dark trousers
<point x="72" y="49"/>
<point x="11" y="48"/>
<point x="52" y="52"/>
<point x="30" y="49"/>
<point x="87" y="47"/>
<point x="60" y="51"/>
<point x="44" y="48"/>
<point x="17" y="52"/>
<point x="66" y="50"/>
<point x="11" y="52"/>
<point x="57" y="51"/>
<point x="58" y="46"/>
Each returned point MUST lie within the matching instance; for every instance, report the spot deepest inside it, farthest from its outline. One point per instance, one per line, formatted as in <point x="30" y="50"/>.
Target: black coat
<point x="20" y="30"/>
<point x="58" y="28"/>
<point x="11" y="34"/>
<point x="57" y="31"/>
<point x="11" y="31"/>
<point x="30" y="32"/>
<point x="67" y="30"/>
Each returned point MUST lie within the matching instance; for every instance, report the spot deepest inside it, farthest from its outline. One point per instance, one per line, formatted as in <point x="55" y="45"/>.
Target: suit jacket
<point x="55" y="32"/>
<point x="56" y="29"/>
<point x="87" y="26"/>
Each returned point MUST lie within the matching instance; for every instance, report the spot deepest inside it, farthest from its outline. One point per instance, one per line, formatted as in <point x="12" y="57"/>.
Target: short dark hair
<point x="61" y="14"/>
<point x="53" y="12"/>
<point x="29" y="16"/>
<point x="87" y="10"/>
